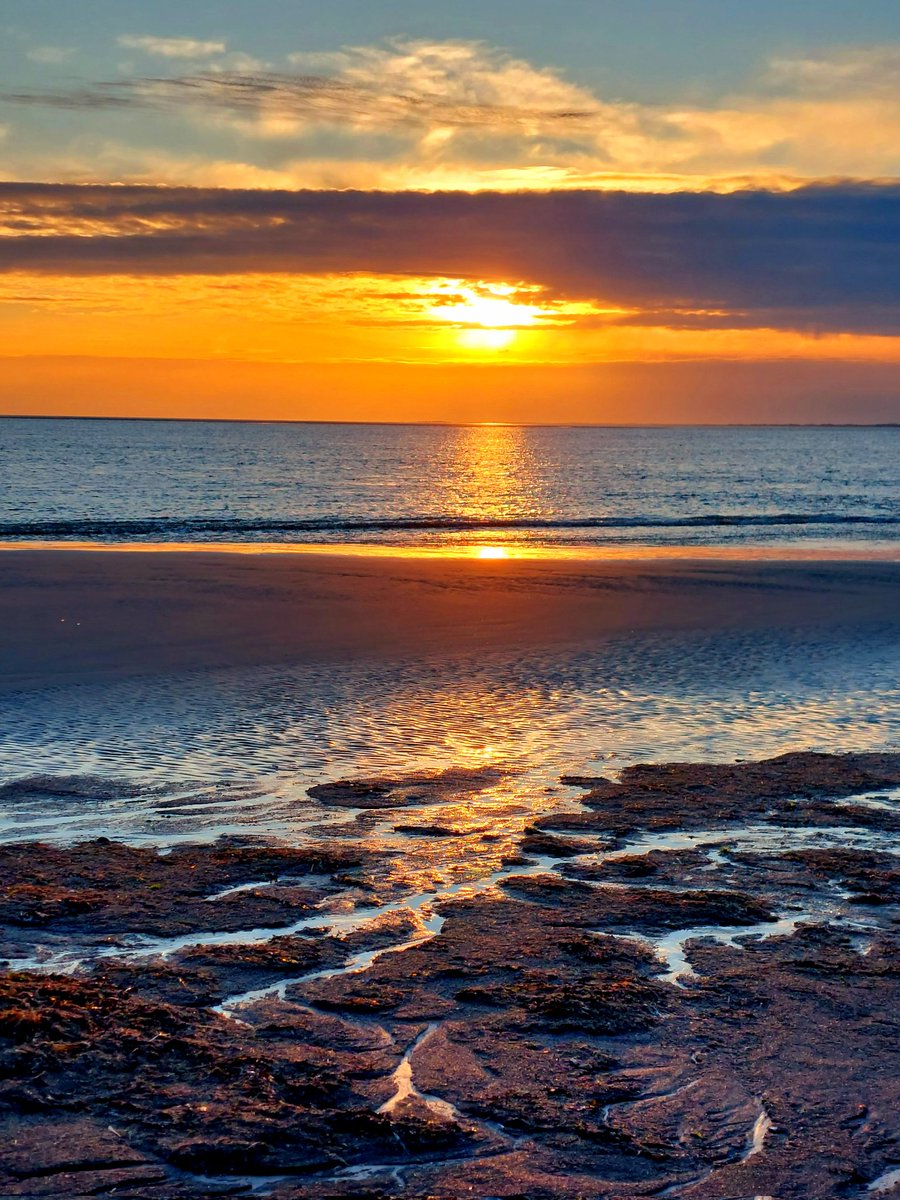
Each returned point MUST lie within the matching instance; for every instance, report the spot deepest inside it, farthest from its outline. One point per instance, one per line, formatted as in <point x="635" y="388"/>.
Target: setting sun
<point x="486" y="316"/>
<point x="491" y="312"/>
<point x="486" y="339"/>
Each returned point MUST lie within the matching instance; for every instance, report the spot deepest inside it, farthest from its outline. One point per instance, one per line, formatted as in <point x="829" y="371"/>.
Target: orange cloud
<point x="374" y="318"/>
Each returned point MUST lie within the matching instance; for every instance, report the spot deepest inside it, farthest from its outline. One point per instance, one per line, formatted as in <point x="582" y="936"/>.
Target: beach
<point x="105" y="613"/>
<point x="230" y="969"/>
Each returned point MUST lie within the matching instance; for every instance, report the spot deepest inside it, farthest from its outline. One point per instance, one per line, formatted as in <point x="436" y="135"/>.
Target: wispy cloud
<point x="51" y="55"/>
<point x="868" y="69"/>
<point x="426" y="114"/>
<point x="815" y="259"/>
<point x="170" y="47"/>
<point x="431" y="86"/>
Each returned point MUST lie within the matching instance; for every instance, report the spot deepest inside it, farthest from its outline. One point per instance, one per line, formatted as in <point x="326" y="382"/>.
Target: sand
<point x="677" y="981"/>
<point x="88" y="615"/>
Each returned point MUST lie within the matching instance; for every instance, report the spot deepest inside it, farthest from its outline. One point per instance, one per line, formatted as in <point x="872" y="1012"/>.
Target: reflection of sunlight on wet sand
<point x="461" y="841"/>
<point x="466" y="722"/>
<point x="470" y="727"/>
<point x="823" y="552"/>
<point x="491" y="722"/>
<point x="244" y="746"/>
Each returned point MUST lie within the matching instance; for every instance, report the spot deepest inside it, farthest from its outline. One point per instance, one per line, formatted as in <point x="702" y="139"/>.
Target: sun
<point x="491" y="312"/>
<point x="486" y="339"/>
<point x="485" y="315"/>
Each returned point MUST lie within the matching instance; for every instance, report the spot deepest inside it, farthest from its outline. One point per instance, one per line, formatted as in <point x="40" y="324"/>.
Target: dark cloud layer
<point x="824" y="257"/>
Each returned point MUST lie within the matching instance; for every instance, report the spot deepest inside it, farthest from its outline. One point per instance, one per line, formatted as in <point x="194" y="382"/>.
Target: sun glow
<point x="486" y="339"/>
<point x="487" y="316"/>
<point x="491" y="311"/>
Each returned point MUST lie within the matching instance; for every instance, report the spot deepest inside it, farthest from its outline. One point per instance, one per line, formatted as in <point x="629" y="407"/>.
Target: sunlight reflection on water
<point x="274" y="731"/>
<point x="444" y="487"/>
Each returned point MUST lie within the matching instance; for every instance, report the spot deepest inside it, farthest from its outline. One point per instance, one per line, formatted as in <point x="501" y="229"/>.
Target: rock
<point x="540" y="1053"/>
<point x="428" y="787"/>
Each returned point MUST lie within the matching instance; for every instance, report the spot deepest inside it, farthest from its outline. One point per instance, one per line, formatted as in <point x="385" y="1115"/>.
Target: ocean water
<point x="448" y="485"/>
<point x="194" y="755"/>
<point x="647" y="696"/>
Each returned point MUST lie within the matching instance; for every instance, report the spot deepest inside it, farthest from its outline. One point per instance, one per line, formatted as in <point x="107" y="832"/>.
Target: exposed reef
<point x="689" y="987"/>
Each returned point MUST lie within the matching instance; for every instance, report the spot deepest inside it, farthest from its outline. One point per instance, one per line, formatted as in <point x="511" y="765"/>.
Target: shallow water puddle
<point x="672" y="948"/>
<point x="758" y="1133"/>
<point x="885" y="1182"/>
<point x="407" y="1090"/>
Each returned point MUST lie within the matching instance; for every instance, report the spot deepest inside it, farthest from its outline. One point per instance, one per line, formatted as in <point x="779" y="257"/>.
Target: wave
<point x="199" y="528"/>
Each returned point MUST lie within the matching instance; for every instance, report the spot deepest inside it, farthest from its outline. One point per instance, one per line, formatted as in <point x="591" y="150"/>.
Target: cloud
<point x="816" y="259"/>
<point x="438" y="112"/>
<point x="96" y="158"/>
<point x="432" y="86"/>
<point x="456" y="83"/>
<point x="868" y="69"/>
<point x="50" y="55"/>
<point x="170" y="47"/>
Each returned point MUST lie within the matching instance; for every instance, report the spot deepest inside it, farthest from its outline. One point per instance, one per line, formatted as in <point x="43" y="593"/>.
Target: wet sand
<point x="82" y="615"/>
<point x="679" y="981"/>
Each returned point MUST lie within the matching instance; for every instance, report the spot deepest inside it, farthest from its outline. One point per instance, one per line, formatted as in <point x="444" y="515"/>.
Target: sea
<point x="181" y="757"/>
<point x="445" y="486"/>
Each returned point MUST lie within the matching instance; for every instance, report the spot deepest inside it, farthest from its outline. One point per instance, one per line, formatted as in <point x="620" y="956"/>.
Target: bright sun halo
<point x="487" y="320"/>
<point x="492" y="312"/>
<point x="486" y="339"/>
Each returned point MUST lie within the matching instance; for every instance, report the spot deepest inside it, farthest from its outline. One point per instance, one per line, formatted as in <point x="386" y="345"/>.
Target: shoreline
<point x="884" y="552"/>
<point x="85" y="615"/>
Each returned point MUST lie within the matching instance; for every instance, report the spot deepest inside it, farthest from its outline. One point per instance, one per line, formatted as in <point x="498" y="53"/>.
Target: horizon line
<point x="462" y="424"/>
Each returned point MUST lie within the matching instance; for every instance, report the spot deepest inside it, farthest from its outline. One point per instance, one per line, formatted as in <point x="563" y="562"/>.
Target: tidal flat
<point x="683" y="982"/>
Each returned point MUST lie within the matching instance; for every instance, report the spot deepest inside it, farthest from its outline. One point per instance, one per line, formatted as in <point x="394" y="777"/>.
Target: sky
<point x="590" y="211"/>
